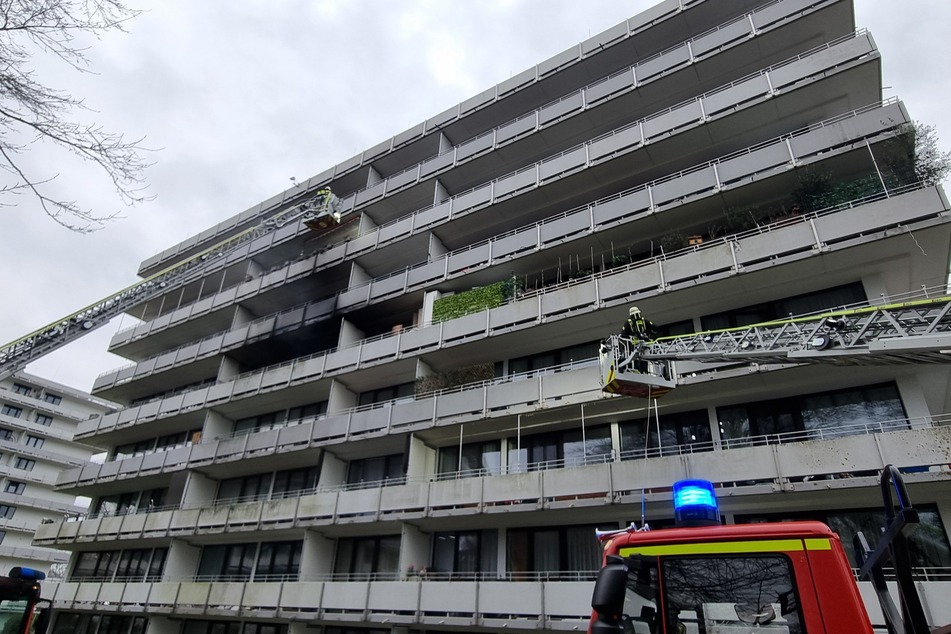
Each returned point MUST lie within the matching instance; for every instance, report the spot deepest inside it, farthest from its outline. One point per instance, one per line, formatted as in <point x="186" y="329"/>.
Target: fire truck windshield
<point x="711" y="593"/>
<point x="13" y="614"/>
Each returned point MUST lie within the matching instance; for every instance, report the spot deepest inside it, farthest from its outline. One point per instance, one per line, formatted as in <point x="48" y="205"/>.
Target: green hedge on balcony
<point x="468" y="302"/>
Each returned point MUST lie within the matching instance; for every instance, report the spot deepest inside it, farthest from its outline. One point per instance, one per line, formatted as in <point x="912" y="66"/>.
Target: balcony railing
<point x="615" y="457"/>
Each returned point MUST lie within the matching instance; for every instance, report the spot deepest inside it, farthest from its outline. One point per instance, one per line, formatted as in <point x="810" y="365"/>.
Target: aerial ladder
<point x="914" y="331"/>
<point x="321" y="213"/>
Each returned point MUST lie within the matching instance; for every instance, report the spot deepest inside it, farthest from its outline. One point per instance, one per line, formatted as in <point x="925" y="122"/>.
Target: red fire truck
<point x="780" y="578"/>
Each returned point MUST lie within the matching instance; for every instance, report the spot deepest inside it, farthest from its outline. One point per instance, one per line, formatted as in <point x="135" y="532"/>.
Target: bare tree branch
<point x="31" y="112"/>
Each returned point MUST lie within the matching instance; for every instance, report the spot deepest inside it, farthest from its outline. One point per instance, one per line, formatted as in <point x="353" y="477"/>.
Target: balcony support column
<point x="341" y="398"/>
<point x="373" y="177"/>
<point x="414" y="549"/>
<point x="349" y="334"/>
<point x="317" y="556"/>
<point x="436" y="247"/>
<point x="421" y="460"/>
<point x="333" y="470"/>
<point x="217" y="425"/>
<point x="182" y="560"/>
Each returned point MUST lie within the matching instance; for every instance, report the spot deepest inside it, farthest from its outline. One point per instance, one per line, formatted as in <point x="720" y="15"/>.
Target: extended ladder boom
<point x="17" y="354"/>
<point x="917" y="331"/>
<point x="908" y="332"/>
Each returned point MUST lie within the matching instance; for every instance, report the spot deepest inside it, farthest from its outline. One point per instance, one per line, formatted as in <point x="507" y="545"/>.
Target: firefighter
<point x="320" y="198"/>
<point x="637" y="329"/>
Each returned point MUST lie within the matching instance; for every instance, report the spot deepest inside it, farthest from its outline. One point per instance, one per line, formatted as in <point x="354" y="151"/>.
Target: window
<point x="52" y="399"/>
<point x="570" y="447"/>
<point x="132" y="502"/>
<point x="6" y="434"/>
<point x="34" y="441"/>
<point x="928" y="544"/>
<point x="368" y="556"/>
<point x="236" y="562"/>
<point x="780" y="309"/>
<point x="279" y="561"/>
<point x="3" y="534"/>
<point x="246" y="488"/>
<point x="14" y="487"/>
<point x="76" y="623"/>
<point x="553" y="358"/>
<point x="679" y="433"/>
<point x="291" y="416"/>
<point x="26" y="464"/>
<point x="477" y="458"/>
<point x="684" y="327"/>
<point x="403" y="390"/>
<point x="231" y="562"/>
<point x="170" y="441"/>
<point x="230" y="627"/>
<point x="7" y="511"/>
<point x="44" y="420"/>
<point x="294" y="481"/>
<point x="827" y="414"/>
<point x="465" y="552"/>
<point x="141" y="564"/>
<point x="11" y="411"/>
<point x="554" y="549"/>
<point x="306" y="411"/>
<point x="134" y="449"/>
<point x="378" y="471"/>
<point x="724" y="593"/>
<point x="255" y="423"/>
<point x="23" y="390"/>
<point x="97" y="565"/>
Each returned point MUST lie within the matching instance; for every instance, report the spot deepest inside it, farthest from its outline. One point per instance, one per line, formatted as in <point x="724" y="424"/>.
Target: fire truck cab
<point x="784" y="578"/>
<point x="788" y="578"/>
<point x="20" y="610"/>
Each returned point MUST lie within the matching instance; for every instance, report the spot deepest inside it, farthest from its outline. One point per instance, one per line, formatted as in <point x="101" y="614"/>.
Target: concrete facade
<point x="314" y="435"/>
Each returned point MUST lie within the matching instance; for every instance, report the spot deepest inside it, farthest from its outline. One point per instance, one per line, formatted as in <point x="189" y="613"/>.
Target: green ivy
<point x="478" y="299"/>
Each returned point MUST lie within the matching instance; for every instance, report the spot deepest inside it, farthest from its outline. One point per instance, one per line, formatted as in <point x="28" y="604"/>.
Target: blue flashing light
<point x="27" y="574"/>
<point x="694" y="493"/>
<point x="695" y="503"/>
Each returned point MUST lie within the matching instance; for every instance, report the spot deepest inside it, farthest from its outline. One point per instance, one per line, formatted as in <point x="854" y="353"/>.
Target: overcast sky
<point x="237" y="97"/>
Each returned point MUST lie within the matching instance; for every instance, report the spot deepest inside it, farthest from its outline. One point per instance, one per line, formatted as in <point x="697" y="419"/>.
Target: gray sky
<point x="237" y="97"/>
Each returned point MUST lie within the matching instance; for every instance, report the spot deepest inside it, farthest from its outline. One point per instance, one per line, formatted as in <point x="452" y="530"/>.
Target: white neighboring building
<point x="37" y="421"/>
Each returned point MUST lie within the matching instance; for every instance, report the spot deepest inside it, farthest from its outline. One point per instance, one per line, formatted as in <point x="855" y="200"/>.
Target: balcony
<point x="487" y="399"/>
<point x="631" y="93"/>
<point x="797" y="461"/>
<point x="800" y="238"/>
<point x="679" y="127"/>
<point x="533" y="604"/>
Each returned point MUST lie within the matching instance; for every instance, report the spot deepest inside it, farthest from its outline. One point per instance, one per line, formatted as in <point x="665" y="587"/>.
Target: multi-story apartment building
<point x="37" y="421"/>
<point x="398" y="425"/>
